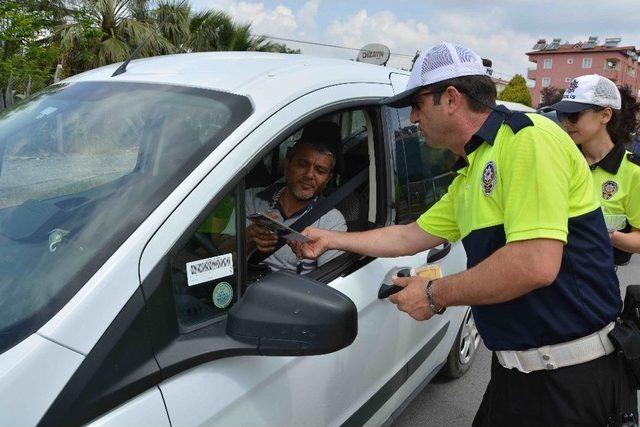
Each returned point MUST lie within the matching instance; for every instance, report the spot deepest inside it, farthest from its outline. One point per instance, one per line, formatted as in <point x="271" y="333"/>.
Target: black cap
<point x="565" y="106"/>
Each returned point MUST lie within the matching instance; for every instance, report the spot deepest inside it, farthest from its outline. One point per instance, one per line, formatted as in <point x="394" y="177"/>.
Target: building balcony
<point x="531" y="73"/>
<point x="612" y="74"/>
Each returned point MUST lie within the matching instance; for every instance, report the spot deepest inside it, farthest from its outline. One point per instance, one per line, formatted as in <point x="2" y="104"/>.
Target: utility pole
<point x="415" y="58"/>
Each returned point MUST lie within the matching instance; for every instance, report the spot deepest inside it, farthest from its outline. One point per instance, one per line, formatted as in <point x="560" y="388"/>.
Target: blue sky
<point x="502" y="31"/>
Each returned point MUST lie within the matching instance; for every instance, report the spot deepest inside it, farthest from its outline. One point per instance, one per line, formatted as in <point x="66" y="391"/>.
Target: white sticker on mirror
<point x="208" y="269"/>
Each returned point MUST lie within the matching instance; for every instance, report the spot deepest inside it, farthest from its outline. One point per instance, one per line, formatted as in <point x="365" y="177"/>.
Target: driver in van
<point x="308" y="168"/>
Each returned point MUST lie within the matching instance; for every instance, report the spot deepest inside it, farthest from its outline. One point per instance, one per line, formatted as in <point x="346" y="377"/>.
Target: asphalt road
<point x="454" y="402"/>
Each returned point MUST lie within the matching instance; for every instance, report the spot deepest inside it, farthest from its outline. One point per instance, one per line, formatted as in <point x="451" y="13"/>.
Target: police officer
<point x="600" y="119"/>
<point x="540" y="277"/>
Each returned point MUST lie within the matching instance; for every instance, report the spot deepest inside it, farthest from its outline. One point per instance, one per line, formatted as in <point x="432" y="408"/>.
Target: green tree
<point x="232" y="36"/>
<point x="105" y="31"/>
<point x="172" y="19"/>
<point x="23" y="23"/>
<point x="27" y="59"/>
<point x="281" y="48"/>
<point x="550" y="95"/>
<point x="36" y="35"/>
<point x="213" y="30"/>
<point x="102" y="32"/>
<point x="516" y="91"/>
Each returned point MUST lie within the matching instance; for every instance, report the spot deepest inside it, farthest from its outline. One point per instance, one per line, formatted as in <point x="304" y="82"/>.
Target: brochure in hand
<point x="277" y="227"/>
<point x="429" y="272"/>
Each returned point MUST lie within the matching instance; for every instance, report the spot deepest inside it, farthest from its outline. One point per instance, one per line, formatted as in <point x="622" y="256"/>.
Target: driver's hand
<point x="318" y="245"/>
<point x="263" y="239"/>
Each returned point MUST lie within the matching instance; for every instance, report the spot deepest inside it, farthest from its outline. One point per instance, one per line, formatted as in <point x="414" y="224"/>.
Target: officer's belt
<point x="560" y="355"/>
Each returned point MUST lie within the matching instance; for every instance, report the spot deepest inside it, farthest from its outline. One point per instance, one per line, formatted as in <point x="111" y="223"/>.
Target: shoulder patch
<point x="518" y="121"/>
<point x="634" y="158"/>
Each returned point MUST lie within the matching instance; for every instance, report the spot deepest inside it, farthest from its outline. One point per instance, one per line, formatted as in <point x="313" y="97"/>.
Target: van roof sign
<point x="374" y="53"/>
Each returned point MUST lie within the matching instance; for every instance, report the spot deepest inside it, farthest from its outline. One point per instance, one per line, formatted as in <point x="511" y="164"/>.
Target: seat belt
<point x="321" y="208"/>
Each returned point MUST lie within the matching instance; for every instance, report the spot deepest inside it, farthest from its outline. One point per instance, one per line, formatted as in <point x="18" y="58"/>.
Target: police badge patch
<point x="609" y="188"/>
<point x="568" y="93"/>
<point x="489" y="176"/>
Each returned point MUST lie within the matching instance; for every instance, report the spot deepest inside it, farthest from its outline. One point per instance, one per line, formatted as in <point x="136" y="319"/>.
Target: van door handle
<point x="388" y="288"/>
<point x="436" y="254"/>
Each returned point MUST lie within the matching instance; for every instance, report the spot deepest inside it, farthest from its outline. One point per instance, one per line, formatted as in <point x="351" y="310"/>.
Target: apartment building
<point x="557" y="63"/>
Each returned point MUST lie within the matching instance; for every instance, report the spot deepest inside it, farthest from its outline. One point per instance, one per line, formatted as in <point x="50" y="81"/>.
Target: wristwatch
<point x="432" y="303"/>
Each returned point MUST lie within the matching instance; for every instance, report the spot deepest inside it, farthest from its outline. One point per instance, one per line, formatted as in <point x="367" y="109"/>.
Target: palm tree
<point x="105" y="31"/>
<point x="100" y="32"/>
<point x="213" y="30"/>
<point x="205" y="29"/>
<point x="238" y="37"/>
<point x="172" y="19"/>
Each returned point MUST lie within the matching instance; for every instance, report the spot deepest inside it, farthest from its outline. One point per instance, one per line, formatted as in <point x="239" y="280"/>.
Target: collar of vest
<point x="489" y="130"/>
<point x="611" y="162"/>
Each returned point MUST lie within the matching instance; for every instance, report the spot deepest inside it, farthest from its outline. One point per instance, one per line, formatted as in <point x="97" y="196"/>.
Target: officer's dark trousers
<point x="580" y="395"/>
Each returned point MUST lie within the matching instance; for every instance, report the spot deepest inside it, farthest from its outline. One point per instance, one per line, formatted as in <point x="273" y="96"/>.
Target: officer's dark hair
<point x="480" y="91"/>
<point x="624" y="121"/>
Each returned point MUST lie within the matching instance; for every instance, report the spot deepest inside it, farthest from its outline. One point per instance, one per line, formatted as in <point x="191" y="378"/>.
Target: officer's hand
<point x="319" y="244"/>
<point x="413" y="298"/>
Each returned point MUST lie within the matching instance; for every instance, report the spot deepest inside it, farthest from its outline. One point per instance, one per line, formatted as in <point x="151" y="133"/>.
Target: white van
<point x="111" y="187"/>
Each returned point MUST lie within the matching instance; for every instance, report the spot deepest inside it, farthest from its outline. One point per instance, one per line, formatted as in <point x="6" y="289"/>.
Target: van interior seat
<point x="355" y="206"/>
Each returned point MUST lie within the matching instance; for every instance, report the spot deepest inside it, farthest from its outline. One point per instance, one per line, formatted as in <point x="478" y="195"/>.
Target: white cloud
<point x="381" y="27"/>
<point x="505" y="47"/>
<point x="306" y="18"/>
<point x="502" y="31"/>
<point x="280" y="20"/>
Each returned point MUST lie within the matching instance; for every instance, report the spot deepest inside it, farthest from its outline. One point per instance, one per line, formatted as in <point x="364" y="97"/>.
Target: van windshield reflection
<point x="81" y="166"/>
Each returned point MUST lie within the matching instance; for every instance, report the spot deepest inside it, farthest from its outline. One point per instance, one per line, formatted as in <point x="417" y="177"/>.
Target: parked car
<point x="551" y="115"/>
<point x="516" y="106"/>
<point x="127" y="297"/>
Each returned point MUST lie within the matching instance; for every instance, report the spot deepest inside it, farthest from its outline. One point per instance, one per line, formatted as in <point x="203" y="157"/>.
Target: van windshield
<point x="81" y="166"/>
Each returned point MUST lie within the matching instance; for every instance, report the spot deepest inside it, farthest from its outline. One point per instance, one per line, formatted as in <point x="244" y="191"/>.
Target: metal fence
<point x="19" y="86"/>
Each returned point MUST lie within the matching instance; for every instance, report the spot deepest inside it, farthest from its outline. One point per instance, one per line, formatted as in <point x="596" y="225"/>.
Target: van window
<point x="423" y="173"/>
<point x="205" y="270"/>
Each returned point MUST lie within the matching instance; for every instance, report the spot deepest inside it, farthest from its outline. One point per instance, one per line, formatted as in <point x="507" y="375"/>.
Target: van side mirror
<point x="293" y="315"/>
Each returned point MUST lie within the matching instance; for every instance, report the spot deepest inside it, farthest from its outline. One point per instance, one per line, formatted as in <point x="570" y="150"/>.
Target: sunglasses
<point x="574" y="117"/>
<point x="416" y="102"/>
